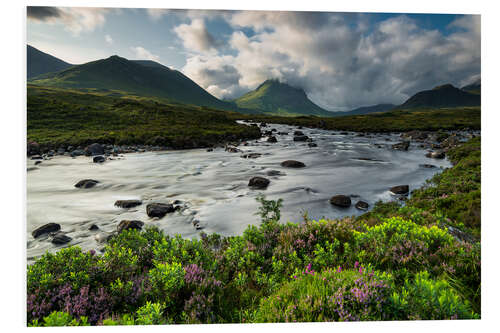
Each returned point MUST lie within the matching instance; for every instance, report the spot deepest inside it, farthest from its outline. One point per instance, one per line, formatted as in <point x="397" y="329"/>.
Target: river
<point x="214" y="185"/>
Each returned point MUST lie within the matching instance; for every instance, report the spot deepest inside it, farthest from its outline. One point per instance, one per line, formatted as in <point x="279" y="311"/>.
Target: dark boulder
<point x="159" y="209"/>
<point x="292" y="164"/>
<point x="428" y="166"/>
<point x="312" y="144"/>
<point x="274" y="173"/>
<point x="36" y="157"/>
<point x="93" y="227"/>
<point x="400" y="189"/>
<point x="258" y="182"/>
<point x="298" y="133"/>
<point x="401" y="146"/>
<point x="341" y="201"/>
<point x="282" y="133"/>
<point x="300" y="138"/>
<point x="128" y="203"/>
<point x="86" y="183"/>
<point x="263" y="125"/>
<point x="272" y="139"/>
<point x="232" y="149"/>
<point x="38" y="162"/>
<point x="45" y="229"/>
<point x="129" y="225"/>
<point x="60" y="239"/>
<point x="33" y="148"/>
<point x="362" y="205"/>
<point x="77" y="152"/>
<point x="268" y="133"/>
<point x="94" y="149"/>
<point x="210" y="149"/>
<point x="99" y="159"/>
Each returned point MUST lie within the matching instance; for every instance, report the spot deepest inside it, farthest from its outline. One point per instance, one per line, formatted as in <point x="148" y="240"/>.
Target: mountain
<point x="139" y="77"/>
<point x="40" y="63"/>
<point x="473" y="88"/>
<point x="442" y="96"/>
<point x="366" y="110"/>
<point x="274" y="97"/>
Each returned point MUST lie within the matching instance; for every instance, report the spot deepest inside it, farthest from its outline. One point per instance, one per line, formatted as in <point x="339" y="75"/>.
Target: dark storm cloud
<point x="43" y="13"/>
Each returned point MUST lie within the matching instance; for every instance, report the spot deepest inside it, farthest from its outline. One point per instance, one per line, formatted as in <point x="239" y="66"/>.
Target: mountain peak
<point x="276" y="97"/>
<point x="442" y="96"/>
<point x="447" y="86"/>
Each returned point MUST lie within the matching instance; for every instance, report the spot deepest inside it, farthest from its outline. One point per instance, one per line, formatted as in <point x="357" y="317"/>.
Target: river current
<point x="214" y="185"/>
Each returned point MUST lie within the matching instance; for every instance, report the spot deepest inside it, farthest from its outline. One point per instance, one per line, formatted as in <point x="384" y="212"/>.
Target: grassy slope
<point x="392" y="121"/>
<point x="61" y="116"/>
<point x="116" y="73"/>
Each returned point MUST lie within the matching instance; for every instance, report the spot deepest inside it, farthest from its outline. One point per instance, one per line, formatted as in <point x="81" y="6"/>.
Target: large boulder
<point x="159" y="209"/>
<point x="129" y="225"/>
<point x="258" y="182"/>
<point x="60" y="239"/>
<point x="341" y="201"/>
<point x="94" y="149"/>
<point x="33" y="148"/>
<point x="128" y="203"/>
<point x="292" y="164"/>
<point x="86" y="183"/>
<point x="45" y="229"/>
<point x="400" y="189"/>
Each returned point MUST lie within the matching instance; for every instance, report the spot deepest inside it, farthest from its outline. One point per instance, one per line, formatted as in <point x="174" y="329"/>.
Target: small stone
<point x="128" y="203"/>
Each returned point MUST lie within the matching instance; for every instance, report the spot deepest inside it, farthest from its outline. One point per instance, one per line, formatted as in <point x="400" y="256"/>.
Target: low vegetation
<point x="393" y="263"/>
<point x="70" y="117"/>
<point x="427" y="119"/>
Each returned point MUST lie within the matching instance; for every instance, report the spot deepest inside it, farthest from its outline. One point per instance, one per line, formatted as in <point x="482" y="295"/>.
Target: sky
<point x="341" y="60"/>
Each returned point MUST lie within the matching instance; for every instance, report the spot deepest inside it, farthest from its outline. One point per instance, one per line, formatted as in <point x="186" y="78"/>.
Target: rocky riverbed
<point x="324" y="173"/>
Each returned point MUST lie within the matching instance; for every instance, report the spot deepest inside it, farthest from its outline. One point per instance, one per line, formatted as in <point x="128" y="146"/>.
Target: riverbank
<point x="407" y="261"/>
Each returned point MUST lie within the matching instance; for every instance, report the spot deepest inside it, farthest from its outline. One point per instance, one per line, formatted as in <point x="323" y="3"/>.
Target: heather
<point x="397" y="262"/>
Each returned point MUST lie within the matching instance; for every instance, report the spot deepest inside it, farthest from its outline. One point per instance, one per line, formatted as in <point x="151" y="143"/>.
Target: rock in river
<point x="362" y="205"/>
<point x="401" y="146"/>
<point x="45" y="229"/>
<point x="159" y="209"/>
<point x="400" y="189"/>
<point x="86" y="183"/>
<point x="341" y="201"/>
<point x="251" y="155"/>
<point x="298" y="133"/>
<point x="99" y="159"/>
<point x="300" y="138"/>
<point x="258" y="182"/>
<point x="94" y="149"/>
<point x="435" y="154"/>
<point x="292" y="164"/>
<point x="272" y="139"/>
<point x="60" y="239"/>
<point x="129" y="224"/>
<point x="128" y="203"/>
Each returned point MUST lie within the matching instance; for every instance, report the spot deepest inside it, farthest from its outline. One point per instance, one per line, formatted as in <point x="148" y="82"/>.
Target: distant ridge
<point x="275" y="97"/>
<point x="474" y="88"/>
<point x="365" y="110"/>
<point x="442" y="96"/>
<point x="39" y="62"/>
<point x="139" y="77"/>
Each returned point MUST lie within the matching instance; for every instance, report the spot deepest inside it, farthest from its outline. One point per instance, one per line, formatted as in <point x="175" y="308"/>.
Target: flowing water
<point x="214" y="185"/>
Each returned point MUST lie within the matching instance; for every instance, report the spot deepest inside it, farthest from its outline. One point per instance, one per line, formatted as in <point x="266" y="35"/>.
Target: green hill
<point x="440" y="97"/>
<point x="274" y="97"/>
<point x="39" y="62"/>
<point x="142" y="78"/>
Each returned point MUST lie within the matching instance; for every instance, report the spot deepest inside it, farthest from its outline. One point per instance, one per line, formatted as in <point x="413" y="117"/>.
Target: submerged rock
<point x="128" y="203"/>
<point x="86" y="183"/>
<point x="258" y="182"/>
<point x="298" y="133"/>
<point x="341" y="201"/>
<point x="99" y="159"/>
<point x="93" y="227"/>
<point x="272" y="139"/>
<point x="159" y="209"/>
<point x="60" y="239"/>
<point x="300" y="138"/>
<point x="129" y="224"/>
<point x="45" y="229"/>
<point x="292" y="164"/>
<point x="251" y="155"/>
<point x="400" y="189"/>
<point x="362" y="205"/>
<point x="401" y="146"/>
<point x="274" y="173"/>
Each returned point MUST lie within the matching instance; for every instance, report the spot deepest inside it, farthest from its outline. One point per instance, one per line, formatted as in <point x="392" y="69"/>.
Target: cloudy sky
<point x="341" y="60"/>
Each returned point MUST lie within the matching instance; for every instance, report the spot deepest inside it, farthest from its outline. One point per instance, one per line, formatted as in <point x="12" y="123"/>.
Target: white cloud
<point x="143" y="54"/>
<point x="156" y="13"/>
<point x="195" y="36"/>
<point x="108" y="39"/>
<point x="339" y="64"/>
